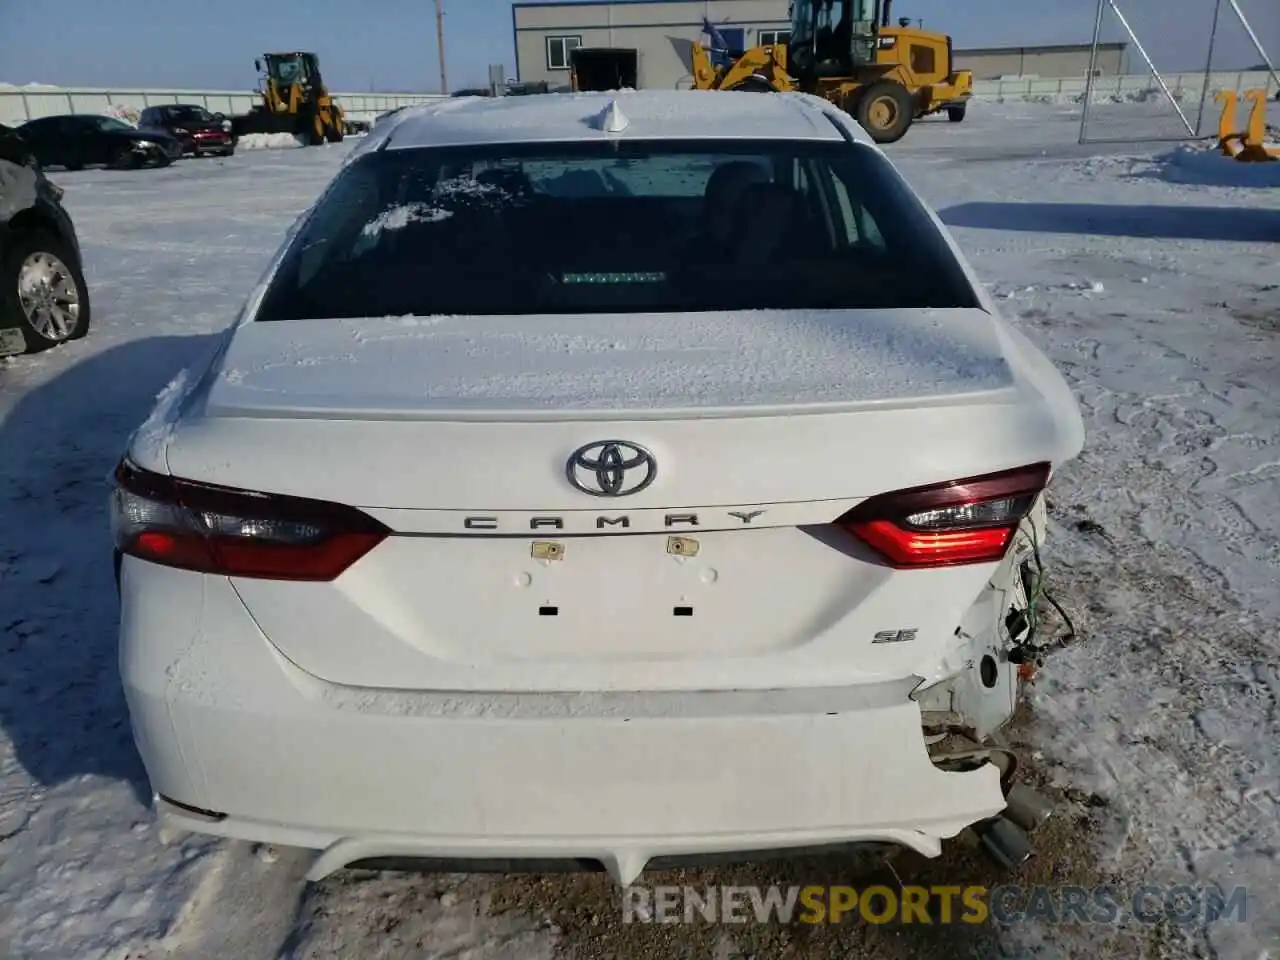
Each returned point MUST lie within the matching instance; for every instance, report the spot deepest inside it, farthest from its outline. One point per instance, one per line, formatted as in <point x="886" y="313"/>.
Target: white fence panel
<point x="18" y="105"/>
<point x="1125" y="87"/>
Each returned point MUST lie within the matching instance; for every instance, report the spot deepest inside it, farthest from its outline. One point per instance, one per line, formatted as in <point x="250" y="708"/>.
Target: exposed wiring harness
<point x="1028" y="621"/>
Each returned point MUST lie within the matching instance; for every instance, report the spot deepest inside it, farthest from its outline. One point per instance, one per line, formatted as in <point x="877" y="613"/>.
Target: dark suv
<point x="43" y="297"/>
<point x="198" y="130"/>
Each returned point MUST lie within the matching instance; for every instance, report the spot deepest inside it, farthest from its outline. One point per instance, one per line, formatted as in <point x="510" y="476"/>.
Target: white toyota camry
<point x="593" y="477"/>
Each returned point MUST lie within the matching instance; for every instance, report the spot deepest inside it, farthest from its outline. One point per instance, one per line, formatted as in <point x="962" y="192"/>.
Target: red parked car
<point x="198" y="130"/>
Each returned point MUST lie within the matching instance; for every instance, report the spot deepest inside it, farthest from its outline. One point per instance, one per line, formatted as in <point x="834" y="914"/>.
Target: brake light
<point x="236" y="533"/>
<point x="945" y="524"/>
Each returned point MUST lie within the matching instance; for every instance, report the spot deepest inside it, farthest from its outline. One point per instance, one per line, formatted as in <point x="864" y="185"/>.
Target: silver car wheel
<point x="49" y="297"/>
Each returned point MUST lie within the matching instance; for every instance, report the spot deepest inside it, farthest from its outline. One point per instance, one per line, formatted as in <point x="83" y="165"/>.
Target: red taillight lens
<point x="963" y="521"/>
<point x="237" y="533"/>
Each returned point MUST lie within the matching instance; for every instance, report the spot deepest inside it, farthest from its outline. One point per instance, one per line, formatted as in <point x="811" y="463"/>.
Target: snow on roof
<point x="649" y="114"/>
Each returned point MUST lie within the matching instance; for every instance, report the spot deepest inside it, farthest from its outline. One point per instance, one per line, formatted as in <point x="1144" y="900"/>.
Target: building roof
<point x="649" y="114"/>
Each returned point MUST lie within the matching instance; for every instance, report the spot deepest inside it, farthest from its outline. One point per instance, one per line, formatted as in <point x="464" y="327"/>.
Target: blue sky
<point x="391" y="45"/>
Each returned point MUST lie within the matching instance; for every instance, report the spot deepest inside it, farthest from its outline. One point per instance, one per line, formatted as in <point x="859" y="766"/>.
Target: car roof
<point x="644" y="115"/>
<point x="73" y="116"/>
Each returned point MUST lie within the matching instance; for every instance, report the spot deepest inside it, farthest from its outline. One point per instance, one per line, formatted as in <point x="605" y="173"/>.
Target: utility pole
<point x="444" y="77"/>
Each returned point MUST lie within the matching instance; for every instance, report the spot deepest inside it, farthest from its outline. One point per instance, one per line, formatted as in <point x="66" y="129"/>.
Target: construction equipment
<point x="1249" y="146"/>
<point x="848" y="52"/>
<point x="294" y="100"/>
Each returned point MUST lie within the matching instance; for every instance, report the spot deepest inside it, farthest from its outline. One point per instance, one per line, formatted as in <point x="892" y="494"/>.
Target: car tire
<point x="123" y="159"/>
<point x="956" y="114"/>
<point x="885" y="110"/>
<point x="43" y="252"/>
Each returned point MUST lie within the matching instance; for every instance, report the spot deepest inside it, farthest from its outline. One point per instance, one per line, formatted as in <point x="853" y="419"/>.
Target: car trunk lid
<point x="457" y="434"/>
<point x="623" y="366"/>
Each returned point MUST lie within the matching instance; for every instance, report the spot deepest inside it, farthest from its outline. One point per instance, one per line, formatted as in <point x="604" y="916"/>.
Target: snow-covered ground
<point x="1149" y="275"/>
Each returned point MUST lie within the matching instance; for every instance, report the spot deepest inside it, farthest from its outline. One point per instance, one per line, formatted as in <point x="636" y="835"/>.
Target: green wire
<point x="1037" y="592"/>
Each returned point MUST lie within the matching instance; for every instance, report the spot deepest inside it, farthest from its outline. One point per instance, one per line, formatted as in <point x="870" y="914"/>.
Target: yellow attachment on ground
<point x="1249" y="146"/>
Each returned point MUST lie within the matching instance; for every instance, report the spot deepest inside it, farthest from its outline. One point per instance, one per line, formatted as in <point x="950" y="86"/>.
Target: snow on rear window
<point x="397" y="218"/>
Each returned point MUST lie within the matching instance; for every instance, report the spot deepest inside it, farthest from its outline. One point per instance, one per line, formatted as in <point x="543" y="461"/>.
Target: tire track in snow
<point x="225" y="917"/>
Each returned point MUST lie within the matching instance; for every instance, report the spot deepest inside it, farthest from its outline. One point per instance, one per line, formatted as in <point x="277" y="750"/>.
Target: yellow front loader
<point x="846" y="51"/>
<point x="294" y="100"/>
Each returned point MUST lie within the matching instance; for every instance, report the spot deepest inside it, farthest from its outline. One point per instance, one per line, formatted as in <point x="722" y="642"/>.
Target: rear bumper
<point x="224" y="723"/>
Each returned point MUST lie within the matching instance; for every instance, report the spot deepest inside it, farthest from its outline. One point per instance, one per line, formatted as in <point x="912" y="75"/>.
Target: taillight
<point x="237" y="533"/>
<point x="963" y="521"/>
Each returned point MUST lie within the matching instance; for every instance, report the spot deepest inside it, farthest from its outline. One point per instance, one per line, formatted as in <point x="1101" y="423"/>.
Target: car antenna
<point x="611" y="119"/>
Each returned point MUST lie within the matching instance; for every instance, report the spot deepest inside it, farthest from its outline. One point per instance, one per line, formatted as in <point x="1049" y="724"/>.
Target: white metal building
<point x="1056" y="60"/>
<point x="661" y="32"/>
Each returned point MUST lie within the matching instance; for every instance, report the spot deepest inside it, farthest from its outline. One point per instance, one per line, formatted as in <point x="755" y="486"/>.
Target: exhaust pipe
<point x="1027" y="808"/>
<point x="886" y="13"/>
<point x="1006" y="842"/>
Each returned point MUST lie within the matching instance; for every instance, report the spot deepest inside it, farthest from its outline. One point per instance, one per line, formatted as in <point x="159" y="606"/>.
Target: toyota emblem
<point x="611" y="468"/>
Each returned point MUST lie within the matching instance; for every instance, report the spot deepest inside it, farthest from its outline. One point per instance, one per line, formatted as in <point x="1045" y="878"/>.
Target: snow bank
<point x="129" y="115"/>
<point x="15" y="87"/>
<point x="268" y="141"/>
<point x="1206" y="166"/>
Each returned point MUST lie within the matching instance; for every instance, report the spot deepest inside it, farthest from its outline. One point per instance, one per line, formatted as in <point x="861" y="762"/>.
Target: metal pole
<point x="1093" y="67"/>
<point x="1256" y="42"/>
<point x="1208" y="66"/>
<point x="444" y="77"/>
<point x="1154" y="72"/>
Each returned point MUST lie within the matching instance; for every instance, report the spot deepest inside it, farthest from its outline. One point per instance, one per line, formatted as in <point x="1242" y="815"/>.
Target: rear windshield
<point x="615" y="227"/>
